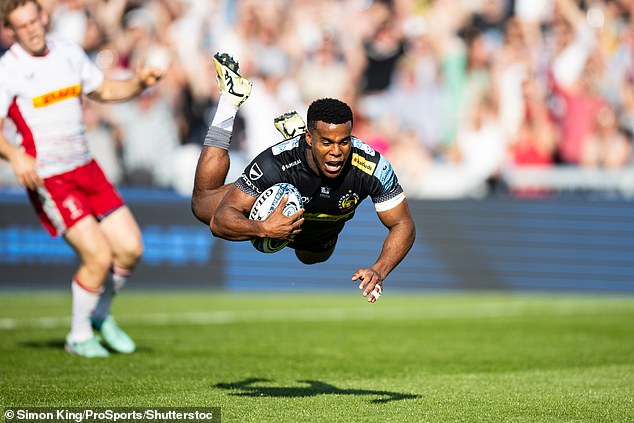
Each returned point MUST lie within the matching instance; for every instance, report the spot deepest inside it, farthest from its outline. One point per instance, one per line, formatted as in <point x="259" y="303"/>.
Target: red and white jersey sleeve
<point x="43" y="96"/>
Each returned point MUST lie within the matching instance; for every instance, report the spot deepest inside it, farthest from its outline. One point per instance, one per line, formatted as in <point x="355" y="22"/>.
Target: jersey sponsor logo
<point x="250" y="184"/>
<point x="255" y="172"/>
<point x="306" y="200"/>
<point x="357" y="143"/>
<point x="348" y="201"/>
<point x="285" y="146"/>
<point x="363" y="164"/>
<point x="290" y="165"/>
<point x="324" y="192"/>
<point x="327" y="217"/>
<point x="57" y="96"/>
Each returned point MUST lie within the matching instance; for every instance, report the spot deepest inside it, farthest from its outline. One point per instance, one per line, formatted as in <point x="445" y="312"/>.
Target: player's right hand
<point x="25" y="170"/>
<point x="279" y="226"/>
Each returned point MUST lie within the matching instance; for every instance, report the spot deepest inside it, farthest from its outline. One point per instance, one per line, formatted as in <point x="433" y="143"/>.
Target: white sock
<point x="115" y="282"/>
<point x="84" y="302"/>
<point x="225" y="114"/>
<point x="119" y="278"/>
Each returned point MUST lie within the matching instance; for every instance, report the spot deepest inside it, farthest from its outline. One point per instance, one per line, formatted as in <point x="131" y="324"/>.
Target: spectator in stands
<point x="580" y="103"/>
<point x="69" y="21"/>
<point x="606" y="147"/>
<point x="535" y="142"/>
<point x="149" y="138"/>
<point x="323" y="72"/>
<point x="626" y="112"/>
<point x="102" y="142"/>
<point x="573" y="75"/>
<point x="383" y="47"/>
<point x="481" y="147"/>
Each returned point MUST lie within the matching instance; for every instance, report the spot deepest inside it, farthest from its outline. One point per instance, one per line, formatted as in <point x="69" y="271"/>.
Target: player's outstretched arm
<point x="397" y="244"/>
<point x="230" y="220"/>
<point x="119" y="90"/>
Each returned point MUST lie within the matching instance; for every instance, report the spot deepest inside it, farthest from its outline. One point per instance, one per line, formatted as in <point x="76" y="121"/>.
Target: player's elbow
<point x="218" y="229"/>
<point x="213" y="227"/>
<point x="407" y="230"/>
<point x="199" y="211"/>
<point x="412" y="232"/>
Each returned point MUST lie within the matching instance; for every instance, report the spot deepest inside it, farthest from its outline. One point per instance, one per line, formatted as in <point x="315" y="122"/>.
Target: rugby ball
<point x="264" y="206"/>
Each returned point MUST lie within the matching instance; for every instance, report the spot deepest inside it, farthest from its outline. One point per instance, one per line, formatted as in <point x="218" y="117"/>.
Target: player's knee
<point x="99" y="261"/>
<point x="132" y="252"/>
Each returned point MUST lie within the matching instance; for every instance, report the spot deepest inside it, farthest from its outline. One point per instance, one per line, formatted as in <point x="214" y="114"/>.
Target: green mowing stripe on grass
<point x="316" y="357"/>
<point x="485" y="309"/>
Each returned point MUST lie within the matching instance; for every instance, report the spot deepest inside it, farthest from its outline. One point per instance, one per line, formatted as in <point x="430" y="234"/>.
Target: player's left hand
<point x="371" y="283"/>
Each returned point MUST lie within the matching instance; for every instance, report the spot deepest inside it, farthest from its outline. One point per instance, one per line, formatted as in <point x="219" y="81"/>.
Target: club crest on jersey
<point x="57" y="96"/>
<point x="255" y="172"/>
<point x="363" y="164"/>
<point x="348" y="201"/>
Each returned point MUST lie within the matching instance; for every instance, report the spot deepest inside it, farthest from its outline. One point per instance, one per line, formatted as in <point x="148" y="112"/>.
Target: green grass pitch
<point x="316" y="357"/>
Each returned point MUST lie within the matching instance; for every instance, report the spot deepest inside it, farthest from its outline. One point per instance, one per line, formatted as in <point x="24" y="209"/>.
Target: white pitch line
<point x="484" y="310"/>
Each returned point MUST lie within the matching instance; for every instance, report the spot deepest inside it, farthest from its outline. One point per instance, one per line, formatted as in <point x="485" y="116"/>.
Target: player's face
<point x="29" y="27"/>
<point x="330" y="146"/>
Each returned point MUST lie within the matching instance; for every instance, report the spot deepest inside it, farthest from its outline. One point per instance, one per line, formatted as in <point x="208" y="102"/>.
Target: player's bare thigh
<point x="211" y="169"/>
<point x="85" y="236"/>
<point x="209" y="182"/>
<point x="124" y="236"/>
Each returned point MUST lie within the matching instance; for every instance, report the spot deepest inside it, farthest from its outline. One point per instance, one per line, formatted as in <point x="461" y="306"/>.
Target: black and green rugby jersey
<point x="328" y="202"/>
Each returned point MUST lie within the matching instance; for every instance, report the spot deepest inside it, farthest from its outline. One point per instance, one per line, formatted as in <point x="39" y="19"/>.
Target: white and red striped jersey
<point x="42" y="95"/>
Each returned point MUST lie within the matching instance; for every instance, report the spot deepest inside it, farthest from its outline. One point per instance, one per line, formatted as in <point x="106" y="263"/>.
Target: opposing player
<point x="42" y="80"/>
<point x="333" y="170"/>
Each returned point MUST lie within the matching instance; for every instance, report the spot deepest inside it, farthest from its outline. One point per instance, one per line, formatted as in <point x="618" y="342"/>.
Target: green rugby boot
<point x="113" y="336"/>
<point x="90" y="348"/>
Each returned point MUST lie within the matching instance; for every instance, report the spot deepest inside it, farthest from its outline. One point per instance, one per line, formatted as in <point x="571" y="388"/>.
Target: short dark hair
<point x="329" y="110"/>
<point x="9" y="6"/>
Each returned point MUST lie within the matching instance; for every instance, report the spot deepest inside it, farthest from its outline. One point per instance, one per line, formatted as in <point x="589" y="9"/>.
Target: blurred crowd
<point x="453" y="92"/>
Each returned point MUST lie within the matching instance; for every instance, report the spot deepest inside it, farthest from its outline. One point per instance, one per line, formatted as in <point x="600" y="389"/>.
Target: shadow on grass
<point x="50" y="344"/>
<point x="56" y="344"/>
<point x="252" y="388"/>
